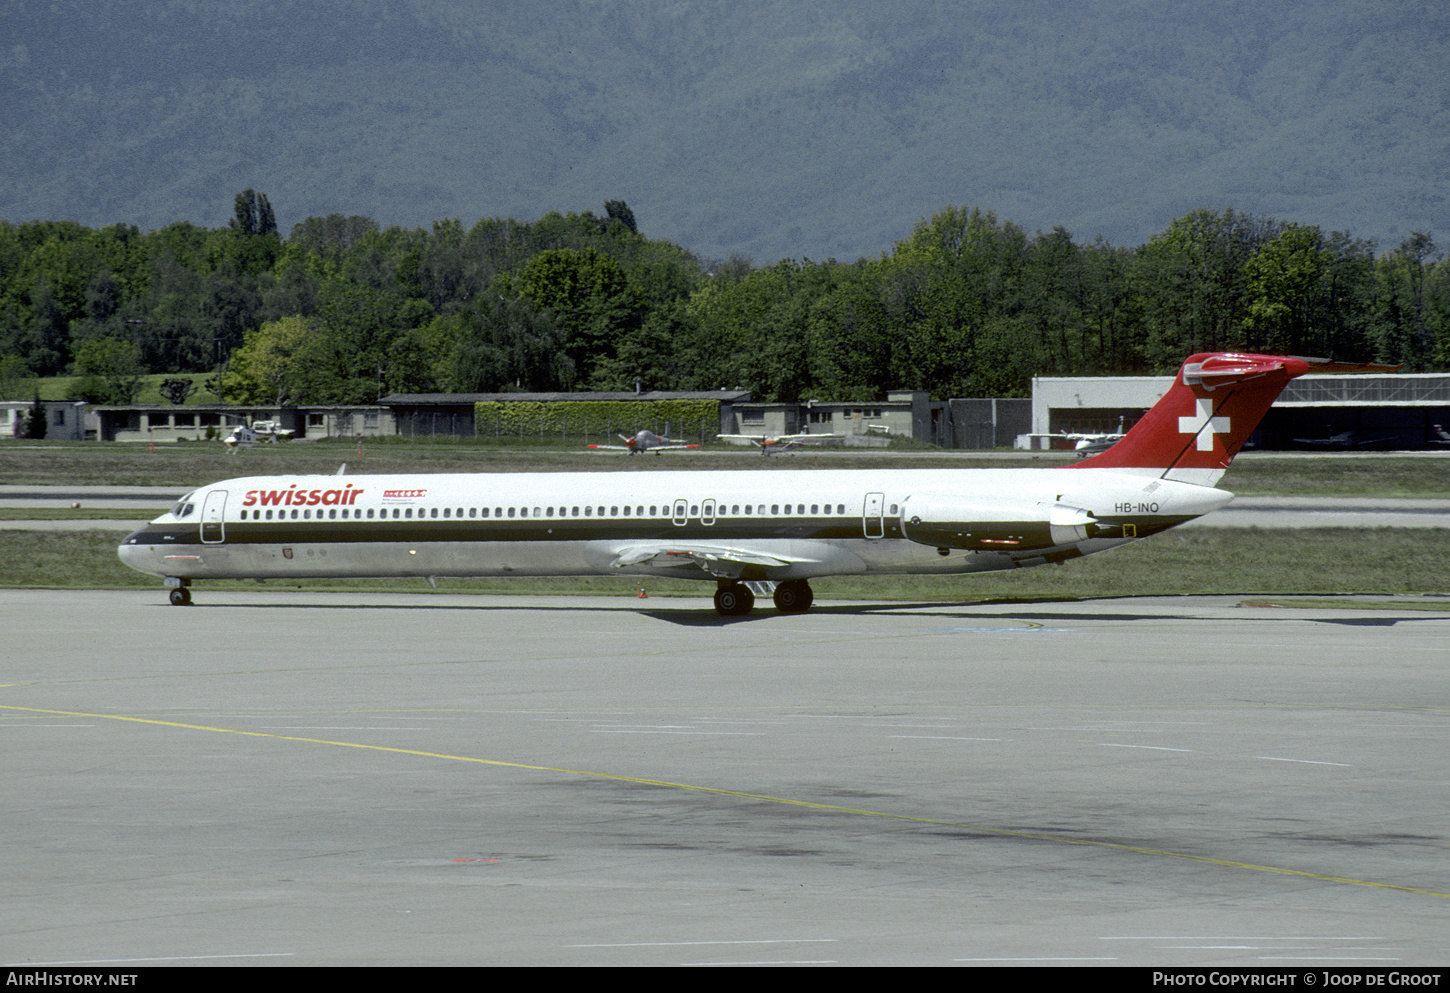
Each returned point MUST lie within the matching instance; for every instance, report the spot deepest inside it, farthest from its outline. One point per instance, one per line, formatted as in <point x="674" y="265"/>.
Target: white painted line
<point x="153" y="958"/>
<point x="1151" y="748"/>
<point x="727" y="941"/>
<point x="1047" y="958"/>
<point x="940" y="737"/>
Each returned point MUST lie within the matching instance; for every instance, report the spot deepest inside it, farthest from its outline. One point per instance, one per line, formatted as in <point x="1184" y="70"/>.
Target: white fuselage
<point x="720" y="525"/>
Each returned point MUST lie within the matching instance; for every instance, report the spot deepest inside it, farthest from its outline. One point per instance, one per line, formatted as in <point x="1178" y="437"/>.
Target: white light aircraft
<point x="242" y="436"/>
<point x="646" y="441"/>
<point x="733" y="528"/>
<point x="768" y="443"/>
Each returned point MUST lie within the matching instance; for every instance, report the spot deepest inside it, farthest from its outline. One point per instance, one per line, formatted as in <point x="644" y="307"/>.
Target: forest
<point x="343" y="310"/>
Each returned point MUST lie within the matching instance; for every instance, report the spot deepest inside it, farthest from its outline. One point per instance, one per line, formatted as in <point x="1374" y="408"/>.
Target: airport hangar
<point x="1354" y="411"/>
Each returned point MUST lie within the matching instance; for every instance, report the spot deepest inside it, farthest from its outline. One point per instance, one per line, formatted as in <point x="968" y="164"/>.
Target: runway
<point x="316" y="779"/>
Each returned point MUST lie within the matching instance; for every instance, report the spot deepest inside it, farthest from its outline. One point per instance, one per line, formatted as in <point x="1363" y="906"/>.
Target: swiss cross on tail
<point x="1202" y="420"/>
<point x="1195" y="430"/>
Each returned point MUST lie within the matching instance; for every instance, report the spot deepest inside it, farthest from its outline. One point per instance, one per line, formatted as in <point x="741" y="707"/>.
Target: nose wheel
<point x="180" y="596"/>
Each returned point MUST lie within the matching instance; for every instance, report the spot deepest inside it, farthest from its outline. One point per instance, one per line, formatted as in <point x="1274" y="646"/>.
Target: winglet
<point x="1199" y="425"/>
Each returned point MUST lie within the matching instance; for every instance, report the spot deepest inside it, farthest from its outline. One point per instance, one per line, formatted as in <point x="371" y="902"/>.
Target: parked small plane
<point x="646" y="441"/>
<point x="768" y="443"/>
<point x="733" y="527"/>
<point x="243" y="436"/>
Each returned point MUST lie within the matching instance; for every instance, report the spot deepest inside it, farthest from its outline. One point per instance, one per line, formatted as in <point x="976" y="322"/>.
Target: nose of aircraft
<point x="137" y="554"/>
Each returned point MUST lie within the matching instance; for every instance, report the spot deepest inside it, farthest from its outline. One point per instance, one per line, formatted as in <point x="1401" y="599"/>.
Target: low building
<point x="903" y="414"/>
<point x="563" y="416"/>
<point x="207" y="422"/>
<point x="65" y="420"/>
<point x="1354" y="411"/>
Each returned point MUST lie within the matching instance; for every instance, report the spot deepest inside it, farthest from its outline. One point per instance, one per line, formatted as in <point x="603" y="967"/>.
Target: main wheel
<point x="180" y="596"/>
<point x="734" y="600"/>
<point x="794" y="597"/>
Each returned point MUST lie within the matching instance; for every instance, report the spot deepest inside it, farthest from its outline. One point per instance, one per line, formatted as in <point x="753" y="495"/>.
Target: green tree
<point x="15" y="377"/>
<point x="1191" y="284"/>
<point x="591" y="300"/>
<point x="35" y="423"/>
<point x="499" y="343"/>
<point x="1282" y="283"/>
<point x="176" y="390"/>
<point x="110" y="371"/>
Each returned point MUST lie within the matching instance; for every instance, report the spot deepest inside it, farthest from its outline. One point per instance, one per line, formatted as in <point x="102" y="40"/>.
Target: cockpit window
<point x="183" y="507"/>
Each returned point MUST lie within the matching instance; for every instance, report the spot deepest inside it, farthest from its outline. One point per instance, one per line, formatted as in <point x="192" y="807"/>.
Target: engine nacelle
<point x="994" y="526"/>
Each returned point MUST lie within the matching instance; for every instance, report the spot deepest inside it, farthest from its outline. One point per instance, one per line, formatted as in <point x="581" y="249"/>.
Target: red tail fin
<point x="1195" y="430"/>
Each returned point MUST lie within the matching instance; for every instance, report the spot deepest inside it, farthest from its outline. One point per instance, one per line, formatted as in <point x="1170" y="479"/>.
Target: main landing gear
<point x="793" y="596"/>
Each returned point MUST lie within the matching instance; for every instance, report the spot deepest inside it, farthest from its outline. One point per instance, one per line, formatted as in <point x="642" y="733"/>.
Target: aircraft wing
<point x="726" y="561"/>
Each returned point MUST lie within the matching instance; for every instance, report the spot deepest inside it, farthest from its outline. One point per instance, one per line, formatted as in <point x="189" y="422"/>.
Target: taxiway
<point x="309" y="779"/>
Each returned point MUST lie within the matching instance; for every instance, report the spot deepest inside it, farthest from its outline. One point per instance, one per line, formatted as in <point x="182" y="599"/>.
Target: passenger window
<point x="511" y="511"/>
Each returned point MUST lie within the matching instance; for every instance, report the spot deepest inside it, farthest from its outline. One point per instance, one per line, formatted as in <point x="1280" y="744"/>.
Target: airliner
<point x="735" y="528"/>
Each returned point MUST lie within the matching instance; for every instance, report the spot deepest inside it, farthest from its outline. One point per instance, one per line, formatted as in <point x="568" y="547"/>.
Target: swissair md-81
<point x="730" y="527"/>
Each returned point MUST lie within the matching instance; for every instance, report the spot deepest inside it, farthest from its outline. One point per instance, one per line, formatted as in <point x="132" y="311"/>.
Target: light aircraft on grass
<point x="243" y="436"/>
<point x="733" y="528"/>
<point x="768" y="443"/>
<point x="646" y="441"/>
